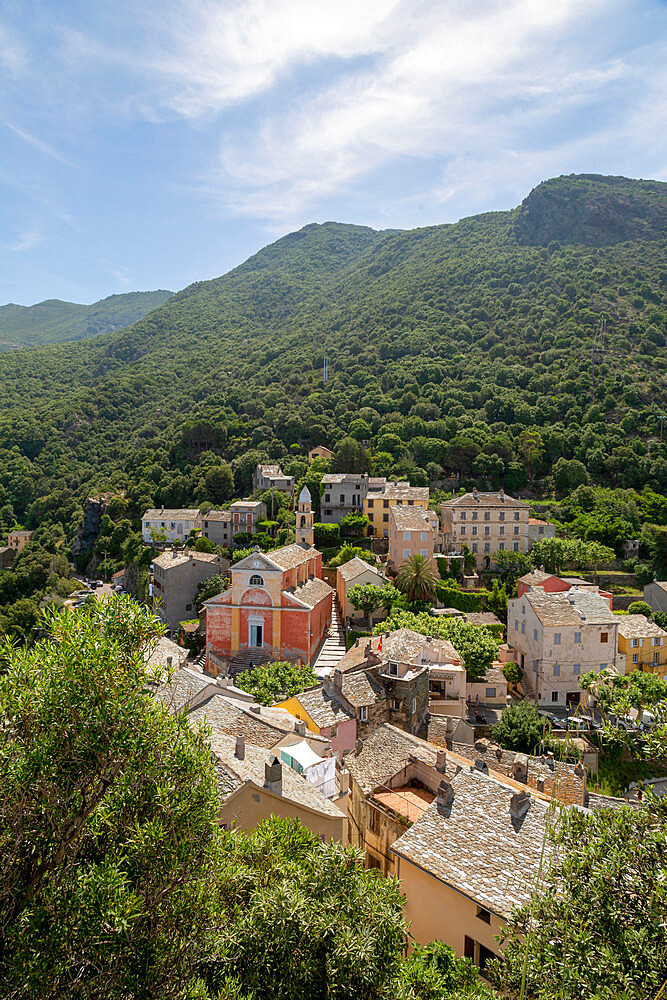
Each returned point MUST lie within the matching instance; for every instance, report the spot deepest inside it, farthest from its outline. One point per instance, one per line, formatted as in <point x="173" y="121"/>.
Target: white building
<point x="166" y="525"/>
<point x="558" y="637"/>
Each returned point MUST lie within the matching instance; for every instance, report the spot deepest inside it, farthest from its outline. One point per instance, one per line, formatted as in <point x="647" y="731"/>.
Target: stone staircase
<point x="333" y="647"/>
<point x="241" y="661"/>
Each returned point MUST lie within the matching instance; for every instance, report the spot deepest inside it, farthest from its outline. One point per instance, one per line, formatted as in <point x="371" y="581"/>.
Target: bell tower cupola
<point x="304" y="519"/>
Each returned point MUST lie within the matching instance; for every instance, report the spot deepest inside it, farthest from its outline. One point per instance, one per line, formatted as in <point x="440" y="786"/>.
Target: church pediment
<point x="256" y="561"/>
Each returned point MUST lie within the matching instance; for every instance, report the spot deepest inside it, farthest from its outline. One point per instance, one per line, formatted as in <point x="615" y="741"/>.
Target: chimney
<point x="338" y="679"/>
<point x="481" y="745"/>
<point x="519" y="804"/>
<point x="343" y="782"/>
<point x="475" y="494"/>
<point x="540" y="784"/>
<point x="550" y="760"/>
<point x="445" y="795"/>
<point x="255" y="708"/>
<point x="170" y="660"/>
<point x="502" y="495"/>
<point x="481" y="765"/>
<point x="162" y="510"/>
<point x="300" y="727"/>
<point x="441" y="761"/>
<point x="520" y="767"/>
<point x="240" y="748"/>
<point x="358" y="747"/>
<point x="429" y="638"/>
<point x="273" y="776"/>
<point x="223" y="682"/>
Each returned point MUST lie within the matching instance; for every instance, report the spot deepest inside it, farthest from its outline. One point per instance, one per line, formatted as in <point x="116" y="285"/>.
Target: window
<point x="487" y="547"/>
<point x="516" y="515"/>
<point x="385" y="503"/>
<point x="474" y="547"/>
<point x="372" y="820"/>
<point x="256" y="580"/>
<point x="535" y="634"/>
<point x="490" y="692"/>
<point x="424" y="536"/>
<point x="576" y="669"/>
<point x="406" y="553"/>
<point x="474" y="530"/>
<point x="370" y="504"/>
<point x="393" y="669"/>
<point x="463" y="529"/>
<point x="363" y="714"/>
<point x="327" y="498"/>
<point x="540" y="531"/>
<point x="556" y="638"/>
<point x="425" y="553"/>
<point x="516" y="546"/>
<point x="502" y="529"/>
<point x="406" y="536"/>
<point x="414" y="705"/>
<point x="188" y="607"/>
<point x="516" y="530"/>
<point x="523" y="609"/>
<point x="656" y="659"/>
<point x="474" y="515"/>
<point x="502" y="515"/>
<point x="634" y="643"/>
<point x="556" y="669"/>
<point x="516" y="624"/>
<point x="483" y="915"/>
<point x="655" y="641"/>
<point x="604" y="636"/>
<point x="535" y="663"/>
<point x="635" y="657"/>
<point x="487" y="516"/>
<point x="554" y="695"/>
<point x="577" y="636"/>
<point x="487" y="530"/>
<point x="396" y="705"/>
<point x="463" y="515"/>
<point x="523" y="628"/>
<point x="501" y="547"/>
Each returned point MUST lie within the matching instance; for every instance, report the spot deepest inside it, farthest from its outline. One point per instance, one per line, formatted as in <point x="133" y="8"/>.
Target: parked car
<point x="553" y="719"/>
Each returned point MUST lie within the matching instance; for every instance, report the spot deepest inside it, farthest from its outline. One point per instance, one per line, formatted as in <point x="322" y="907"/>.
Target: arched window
<point x="303" y="522"/>
<point x="256" y="581"/>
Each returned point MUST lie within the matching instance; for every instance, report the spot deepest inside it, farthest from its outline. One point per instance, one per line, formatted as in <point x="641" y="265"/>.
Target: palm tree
<point x="417" y="579"/>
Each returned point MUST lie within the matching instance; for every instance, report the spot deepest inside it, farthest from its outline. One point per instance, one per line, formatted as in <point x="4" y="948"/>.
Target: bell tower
<point x="304" y="519"/>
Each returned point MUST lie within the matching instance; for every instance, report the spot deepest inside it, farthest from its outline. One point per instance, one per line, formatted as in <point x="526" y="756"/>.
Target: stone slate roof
<point x="335" y="478"/>
<point x="535" y="577"/>
<point x="169" y="560"/>
<point x="184" y="686"/>
<point x="484" y="500"/>
<point x="272" y="471"/>
<point x="172" y="514"/>
<point x="413" y="518"/>
<point x="311" y="592"/>
<point x="322" y="708"/>
<point x="571" y="607"/>
<point x="263" y="729"/>
<point x="355" y="567"/>
<point x="493" y="675"/>
<point x="565" y="782"/>
<point x="476" y="846"/>
<point x="232" y="772"/>
<point x="403" y="491"/>
<point x="482" y="618"/>
<point x="639" y="627"/>
<point x="383" y="755"/>
<point x="218" y="515"/>
<point x="405" y="646"/>
<point x="360" y="688"/>
<point x="290" y="556"/>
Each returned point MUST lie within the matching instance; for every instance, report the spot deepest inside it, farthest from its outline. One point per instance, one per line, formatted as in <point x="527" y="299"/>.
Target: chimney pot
<point x="170" y="660"/>
<point x="481" y="765"/>
<point x="445" y="795"/>
<point x="273" y="776"/>
<point x="256" y="708"/>
<point x="441" y="761"/>
<point x="338" y="679"/>
<point x="240" y="747"/>
<point x="519" y="804"/>
<point x="300" y="727"/>
<point x="357" y="747"/>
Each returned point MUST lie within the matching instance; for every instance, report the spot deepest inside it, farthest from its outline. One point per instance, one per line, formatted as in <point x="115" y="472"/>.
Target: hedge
<point x="462" y="600"/>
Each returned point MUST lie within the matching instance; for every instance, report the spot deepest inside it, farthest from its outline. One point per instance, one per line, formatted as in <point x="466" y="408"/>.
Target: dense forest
<point x="471" y="349"/>
<point x="53" y="321"/>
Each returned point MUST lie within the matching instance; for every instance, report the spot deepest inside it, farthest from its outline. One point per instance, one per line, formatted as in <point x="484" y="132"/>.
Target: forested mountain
<point x="53" y="321"/>
<point x="470" y="348"/>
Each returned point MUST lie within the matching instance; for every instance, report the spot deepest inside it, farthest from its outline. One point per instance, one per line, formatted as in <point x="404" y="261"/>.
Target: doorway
<point x="256" y="636"/>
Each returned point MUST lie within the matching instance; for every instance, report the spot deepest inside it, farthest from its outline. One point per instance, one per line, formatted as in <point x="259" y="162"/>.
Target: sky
<point x="150" y="143"/>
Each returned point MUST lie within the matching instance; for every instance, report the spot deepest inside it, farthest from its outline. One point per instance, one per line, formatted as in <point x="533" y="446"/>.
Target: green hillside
<point x="53" y="321"/>
<point x="461" y="348"/>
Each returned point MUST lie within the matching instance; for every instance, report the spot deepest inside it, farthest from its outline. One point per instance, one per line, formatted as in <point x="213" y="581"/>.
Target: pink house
<point x="537" y="579"/>
<point x="412" y="531"/>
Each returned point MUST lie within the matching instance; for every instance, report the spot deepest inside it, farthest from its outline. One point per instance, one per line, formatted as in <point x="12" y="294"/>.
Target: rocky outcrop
<point x="89" y="528"/>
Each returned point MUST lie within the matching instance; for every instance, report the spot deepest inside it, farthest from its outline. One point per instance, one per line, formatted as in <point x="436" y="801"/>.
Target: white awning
<point x="302" y="753"/>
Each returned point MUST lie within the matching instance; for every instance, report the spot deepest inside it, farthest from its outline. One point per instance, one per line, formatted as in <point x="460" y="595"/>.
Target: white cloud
<point x="28" y="240"/>
<point x="43" y="147"/>
<point x="12" y="53"/>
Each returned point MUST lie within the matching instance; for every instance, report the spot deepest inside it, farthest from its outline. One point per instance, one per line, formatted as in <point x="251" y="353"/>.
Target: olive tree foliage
<point x="109" y="843"/>
<point x="595" y="928"/>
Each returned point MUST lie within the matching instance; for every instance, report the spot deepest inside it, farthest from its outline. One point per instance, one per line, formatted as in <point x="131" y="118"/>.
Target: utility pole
<point x="325" y="374"/>
<point x="105" y="565"/>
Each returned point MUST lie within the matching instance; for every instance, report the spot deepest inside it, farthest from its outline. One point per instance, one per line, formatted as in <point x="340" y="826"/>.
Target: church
<point x="277" y="607"/>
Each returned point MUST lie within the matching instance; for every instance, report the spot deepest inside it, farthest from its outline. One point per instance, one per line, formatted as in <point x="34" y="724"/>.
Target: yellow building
<point x="378" y="505"/>
<point x="641" y="646"/>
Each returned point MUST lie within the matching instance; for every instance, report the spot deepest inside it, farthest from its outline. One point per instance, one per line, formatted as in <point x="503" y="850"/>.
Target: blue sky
<point x="151" y="143"/>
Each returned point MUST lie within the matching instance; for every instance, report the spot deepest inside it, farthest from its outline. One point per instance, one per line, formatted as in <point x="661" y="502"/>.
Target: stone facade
<point x="486" y="523"/>
<point x="272" y="477"/>
<point x="176" y="576"/>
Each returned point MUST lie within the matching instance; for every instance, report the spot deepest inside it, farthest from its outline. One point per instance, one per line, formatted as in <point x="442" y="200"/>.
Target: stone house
<point x="245" y="516"/>
<point x="217" y="527"/>
<point x="344" y="493"/>
<point x="7" y="556"/>
<point x="558" y="636"/>
<point x="18" y="540"/>
<point x="538" y="530"/>
<point x="488" y="690"/>
<point x="277" y="607"/>
<point x="412" y="531"/>
<point x="319" y="451"/>
<point x="378" y="504"/>
<point x="537" y="579"/>
<point x="169" y="524"/>
<point x="469" y="859"/>
<point x="486" y="523"/>
<point x="655" y="594"/>
<point x="641" y="646"/>
<point x="272" y="477"/>
<point x="176" y="576"/>
<point x="356" y="571"/>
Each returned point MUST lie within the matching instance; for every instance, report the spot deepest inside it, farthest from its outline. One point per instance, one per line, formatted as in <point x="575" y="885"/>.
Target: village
<point x="389" y="746"/>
